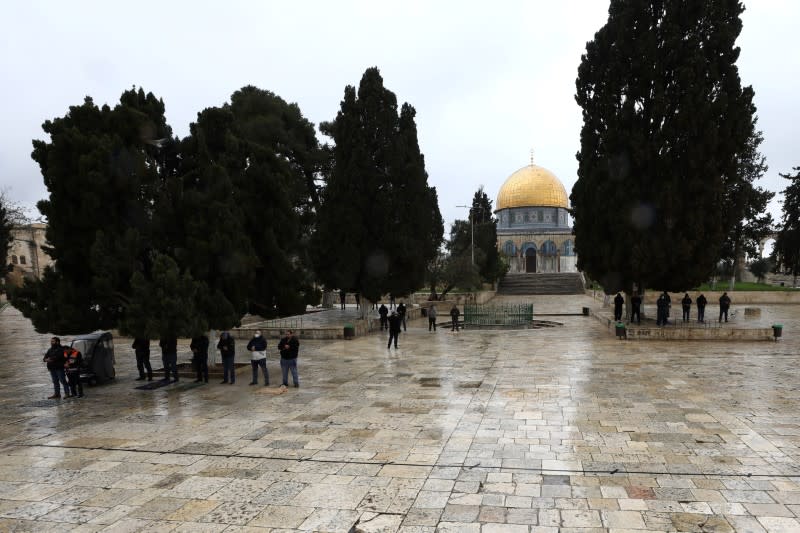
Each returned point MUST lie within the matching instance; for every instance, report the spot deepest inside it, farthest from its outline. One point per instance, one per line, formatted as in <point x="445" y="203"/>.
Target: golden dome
<point x="532" y="186"/>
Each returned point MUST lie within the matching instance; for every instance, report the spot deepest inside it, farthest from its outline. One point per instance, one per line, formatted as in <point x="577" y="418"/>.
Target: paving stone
<point x="468" y="432"/>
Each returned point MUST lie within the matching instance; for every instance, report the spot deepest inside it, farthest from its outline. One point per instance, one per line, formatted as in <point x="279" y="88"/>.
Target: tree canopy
<point x="379" y="223"/>
<point x="787" y="244"/>
<point x="745" y="205"/>
<point x="163" y="237"/>
<point x="665" y="124"/>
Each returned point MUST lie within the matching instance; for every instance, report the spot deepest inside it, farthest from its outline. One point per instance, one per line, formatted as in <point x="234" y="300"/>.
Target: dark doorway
<point x="530" y="260"/>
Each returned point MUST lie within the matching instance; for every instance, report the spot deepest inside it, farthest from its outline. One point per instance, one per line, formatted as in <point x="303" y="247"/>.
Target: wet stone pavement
<point x="541" y="430"/>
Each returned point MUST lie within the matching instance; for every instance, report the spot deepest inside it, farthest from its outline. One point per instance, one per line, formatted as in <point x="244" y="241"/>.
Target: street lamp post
<point x="472" y="231"/>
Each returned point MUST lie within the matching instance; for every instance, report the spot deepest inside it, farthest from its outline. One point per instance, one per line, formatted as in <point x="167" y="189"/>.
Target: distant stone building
<point x="533" y="223"/>
<point x="26" y="258"/>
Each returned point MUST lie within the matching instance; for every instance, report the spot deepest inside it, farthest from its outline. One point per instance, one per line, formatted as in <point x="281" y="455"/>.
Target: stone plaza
<point x="561" y="428"/>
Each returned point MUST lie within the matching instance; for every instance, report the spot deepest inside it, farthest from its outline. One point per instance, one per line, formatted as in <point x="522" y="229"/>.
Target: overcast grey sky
<point x="489" y="81"/>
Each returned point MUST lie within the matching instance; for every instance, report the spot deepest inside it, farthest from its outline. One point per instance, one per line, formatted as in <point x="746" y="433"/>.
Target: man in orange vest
<point x="72" y="366"/>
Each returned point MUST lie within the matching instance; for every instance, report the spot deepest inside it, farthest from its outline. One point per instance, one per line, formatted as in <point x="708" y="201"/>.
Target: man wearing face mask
<point x="258" y="357"/>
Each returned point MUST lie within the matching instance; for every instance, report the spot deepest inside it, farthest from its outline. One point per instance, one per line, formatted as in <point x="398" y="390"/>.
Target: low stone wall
<point x="728" y="333"/>
<point x="737" y="297"/>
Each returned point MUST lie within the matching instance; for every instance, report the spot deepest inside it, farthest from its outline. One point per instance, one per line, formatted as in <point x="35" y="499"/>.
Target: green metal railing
<point x="498" y="315"/>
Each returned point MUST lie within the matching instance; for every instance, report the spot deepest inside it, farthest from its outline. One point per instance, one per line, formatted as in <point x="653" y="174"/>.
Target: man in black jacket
<point x="394" y="329"/>
<point x="54" y="357"/>
<point x="169" y="356"/>
<point x="383" y="313"/>
<point x="701" y="308"/>
<point x="290" y="348"/>
<point x="227" y="349"/>
<point x="401" y="312"/>
<point x="141" y="347"/>
<point x="724" y="306"/>
<point x="199" y="347"/>
<point x="619" y="301"/>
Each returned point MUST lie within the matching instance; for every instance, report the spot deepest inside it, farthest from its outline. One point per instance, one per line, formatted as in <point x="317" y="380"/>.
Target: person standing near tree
<point x="383" y="312"/>
<point x="454" y="314"/>
<point x="636" y="308"/>
<point x="289" y="347"/>
<point x="701" y="308"/>
<point x="73" y="360"/>
<point x="662" y="305"/>
<point x="141" y="348"/>
<point x="724" y="305"/>
<point x="54" y="357"/>
<point x="686" y="305"/>
<point x="342" y="297"/>
<point x="618" y="302"/>
<point x="258" y="357"/>
<point x="169" y="357"/>
<point x="227" y="350"/>
<point x="394" y="329"/>
<point x="199" y="347"/>
<point x="432" y="317"/>
<point x="401" y="312"/>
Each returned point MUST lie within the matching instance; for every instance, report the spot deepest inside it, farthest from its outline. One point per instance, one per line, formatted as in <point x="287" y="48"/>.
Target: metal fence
<point x="498" y="315"/>
<point x="278" y="323"/>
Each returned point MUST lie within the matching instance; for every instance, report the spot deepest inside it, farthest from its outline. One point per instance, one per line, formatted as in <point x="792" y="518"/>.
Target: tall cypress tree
<point x="101" y="170"/>
<point x="379" y="222"/>
<point x="665" y="119"/>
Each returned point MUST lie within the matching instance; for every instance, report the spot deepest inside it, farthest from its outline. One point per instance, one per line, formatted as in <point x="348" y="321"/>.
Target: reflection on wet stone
<point x="460" y="432"/>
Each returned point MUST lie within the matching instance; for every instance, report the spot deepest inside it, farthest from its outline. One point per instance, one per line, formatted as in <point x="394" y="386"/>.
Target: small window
<point x="541" y="216"/>
<point x="22" y="260"/>
<point x="14" y="260"/>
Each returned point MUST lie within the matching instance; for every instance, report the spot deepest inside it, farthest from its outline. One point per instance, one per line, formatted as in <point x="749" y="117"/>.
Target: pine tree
<point x="787" y="245"/>
<point x="379" y="224"/>
<point x="745" y="206"/>
<point x="665" y="121"/>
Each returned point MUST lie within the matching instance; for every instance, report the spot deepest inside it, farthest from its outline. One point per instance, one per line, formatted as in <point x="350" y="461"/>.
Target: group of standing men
<point x="664" y="303"/>
<point x="289" y="347"/>
<point x="64" y="364"/>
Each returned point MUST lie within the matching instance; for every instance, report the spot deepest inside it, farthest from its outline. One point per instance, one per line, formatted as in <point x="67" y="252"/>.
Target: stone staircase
<point x="562" y="283"/>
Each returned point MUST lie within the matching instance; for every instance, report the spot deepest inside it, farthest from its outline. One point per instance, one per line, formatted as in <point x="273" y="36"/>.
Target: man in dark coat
<point x="454" y="314"/>
<point x="199" y="347"/>
<point x="618" y="302"/>
<point x="701" y="308"/>
<point x="290" y="348"/>
<point x="227" y="350"/>
<point x="54" y="357"/>
<point x="401" y="312"/>
<point x="662" y="307"/>
<point x="636" y="308"/>
<point x="141" y="348"/>
<point x="169" y="356"/>
<point x="686" y="305"/>
<point x="724" y="305"/>
<point x="342" y="297"/>
<point x="383" y="312"/>
<point x="394" y="329"/>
